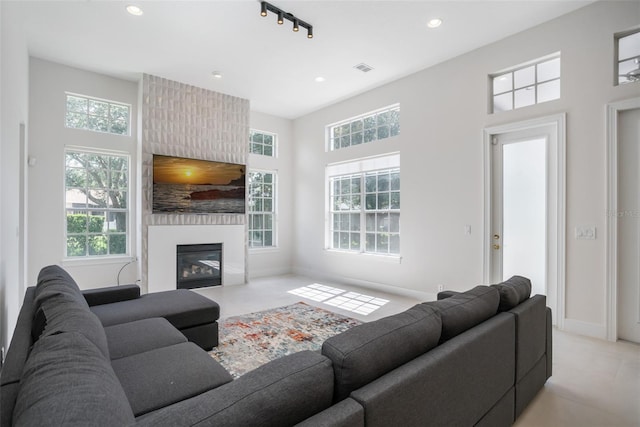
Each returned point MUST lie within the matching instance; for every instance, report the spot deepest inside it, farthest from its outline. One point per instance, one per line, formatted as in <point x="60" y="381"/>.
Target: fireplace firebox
<point x="199" y="266"/>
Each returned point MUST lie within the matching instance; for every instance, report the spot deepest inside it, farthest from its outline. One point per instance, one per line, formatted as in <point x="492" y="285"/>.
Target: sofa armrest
<point x="111" y="294"/>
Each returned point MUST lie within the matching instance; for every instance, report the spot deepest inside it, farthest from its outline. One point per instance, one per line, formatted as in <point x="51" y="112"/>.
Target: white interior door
<point x="628" y="217"/>
<point x="523" y="208"/>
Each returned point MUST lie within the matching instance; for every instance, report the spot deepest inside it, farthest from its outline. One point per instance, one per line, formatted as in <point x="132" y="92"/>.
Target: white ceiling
<point x="269" y="64"/>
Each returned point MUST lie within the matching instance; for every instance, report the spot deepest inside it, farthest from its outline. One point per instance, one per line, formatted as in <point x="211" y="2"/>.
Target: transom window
<point x="526" y="85"/>
<point x="96" y="204"/>
<point x="366" y="128"/>
<point x="365" y="212"/>
<point x="97" y="115"/>
<point x="262" y="209"/>
<point x="263" y="143"/>
<point x="628" y="58"/>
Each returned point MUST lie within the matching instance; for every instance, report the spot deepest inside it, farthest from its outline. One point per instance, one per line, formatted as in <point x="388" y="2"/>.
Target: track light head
<point x="266" y="7"/>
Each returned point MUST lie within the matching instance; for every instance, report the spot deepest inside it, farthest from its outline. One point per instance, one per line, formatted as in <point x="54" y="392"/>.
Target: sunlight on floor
<point x="339" y="298"/>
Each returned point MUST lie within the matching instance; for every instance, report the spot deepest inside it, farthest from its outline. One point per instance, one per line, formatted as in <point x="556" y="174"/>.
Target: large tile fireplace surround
<point x="164" y="241"/>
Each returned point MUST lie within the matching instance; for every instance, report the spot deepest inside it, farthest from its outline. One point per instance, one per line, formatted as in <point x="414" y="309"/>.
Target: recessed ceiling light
<point x="216" y="74"/>
<point x="320" y="79"/>
<point x="134" y="10"/>
<point x="434" y="23"/>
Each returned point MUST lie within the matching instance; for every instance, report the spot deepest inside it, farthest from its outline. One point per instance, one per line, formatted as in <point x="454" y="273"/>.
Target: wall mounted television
<point x="192" y="186"/>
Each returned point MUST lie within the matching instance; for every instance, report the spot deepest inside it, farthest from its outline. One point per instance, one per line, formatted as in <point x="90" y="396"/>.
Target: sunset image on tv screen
<point x="182" y="185"/>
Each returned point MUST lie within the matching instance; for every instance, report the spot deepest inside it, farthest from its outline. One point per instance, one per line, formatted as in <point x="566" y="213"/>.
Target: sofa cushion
<point x="282" y="392"/>
<point x="167" y="375"/>
<point x="365" y="352"/>
<point x="465" y="310"/>
<point x="181" y="307"/>
<point x="346" y="413"/>
<point x="53" y="281"/>
<point x="63" y="315"/>
<point x="513" y="291"/>
<point x="67" y="381"/>
<point x="142" y="335"/>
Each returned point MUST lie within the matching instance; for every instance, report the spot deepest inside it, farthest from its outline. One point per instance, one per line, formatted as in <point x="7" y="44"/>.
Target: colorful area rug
<point x="252" y="340"/>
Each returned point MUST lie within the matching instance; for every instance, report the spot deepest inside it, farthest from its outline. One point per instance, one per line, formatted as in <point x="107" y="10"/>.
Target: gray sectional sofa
<point x="472" y="358"/>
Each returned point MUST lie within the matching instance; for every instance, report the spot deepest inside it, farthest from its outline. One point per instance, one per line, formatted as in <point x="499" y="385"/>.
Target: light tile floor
<point x="265" y="293"/>
<point x="595" y="383"/>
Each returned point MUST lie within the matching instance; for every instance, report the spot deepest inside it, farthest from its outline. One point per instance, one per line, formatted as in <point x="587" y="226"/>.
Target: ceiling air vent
<point x="363" y="67"/>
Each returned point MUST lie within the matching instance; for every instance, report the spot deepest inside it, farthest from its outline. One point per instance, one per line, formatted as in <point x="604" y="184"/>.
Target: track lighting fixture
<point x="282" y="15"/>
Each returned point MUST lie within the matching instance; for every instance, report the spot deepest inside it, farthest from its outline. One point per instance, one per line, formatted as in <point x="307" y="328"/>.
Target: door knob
<point x="496" y="246"/>
<point x="496" y="236"/>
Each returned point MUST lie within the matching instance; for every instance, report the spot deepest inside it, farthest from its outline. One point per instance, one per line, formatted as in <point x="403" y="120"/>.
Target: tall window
<point x="628" y="57"/>
<point x="96" y="204"/>
<point x="262" y="209"/>
<point x="263" y="143"/>
<point x="97" y="115"/>
<point x="366" y="128"/>
<point x="365" y="212"/>
<point x="526" y="85"/>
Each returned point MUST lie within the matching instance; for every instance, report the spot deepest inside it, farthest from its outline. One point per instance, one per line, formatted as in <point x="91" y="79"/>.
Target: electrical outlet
<point x="586" y="232"/>
<point x="440" y="288"/>
<point x="1" y="356"/>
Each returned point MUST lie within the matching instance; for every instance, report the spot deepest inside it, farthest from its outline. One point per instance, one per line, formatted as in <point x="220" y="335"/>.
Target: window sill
<point x="264" y="249"/>
<point x="98" y="260"/>
<point x="392" y="259"/>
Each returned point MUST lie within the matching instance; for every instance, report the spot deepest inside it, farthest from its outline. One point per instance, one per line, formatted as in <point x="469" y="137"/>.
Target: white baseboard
<point x="594" y="330"/>
<point x="267" y="272"/>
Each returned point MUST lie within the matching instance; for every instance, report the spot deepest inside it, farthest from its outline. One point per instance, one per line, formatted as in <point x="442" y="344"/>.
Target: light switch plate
<point x="586" y="232"/>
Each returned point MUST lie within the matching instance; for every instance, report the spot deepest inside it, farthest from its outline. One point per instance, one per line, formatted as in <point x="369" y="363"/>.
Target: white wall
<point x="14" y="71"/>
<point x="443" y="112"/>
<point x="275" y="261"/>
<point x="48" y="137"/>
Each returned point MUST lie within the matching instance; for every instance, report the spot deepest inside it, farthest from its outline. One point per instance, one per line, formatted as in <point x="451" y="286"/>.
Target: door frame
<point x="611" y="308"/>
<point x="558" y="123"/>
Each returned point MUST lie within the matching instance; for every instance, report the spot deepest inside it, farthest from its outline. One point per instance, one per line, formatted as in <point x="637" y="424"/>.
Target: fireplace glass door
<point x="199" y="266"/>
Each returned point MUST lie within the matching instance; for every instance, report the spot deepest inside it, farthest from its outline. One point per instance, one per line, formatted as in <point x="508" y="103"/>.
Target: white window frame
<point x="510" y="73"/>
<point x="274" y="147"/>
<point x="360" y="167"/>
<point x="128" y="210"/>
<point x="88" y="114"/>
<point x="357" y="126"/>
<point x="618" y="36"/>
<point x="273" y="212"/>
